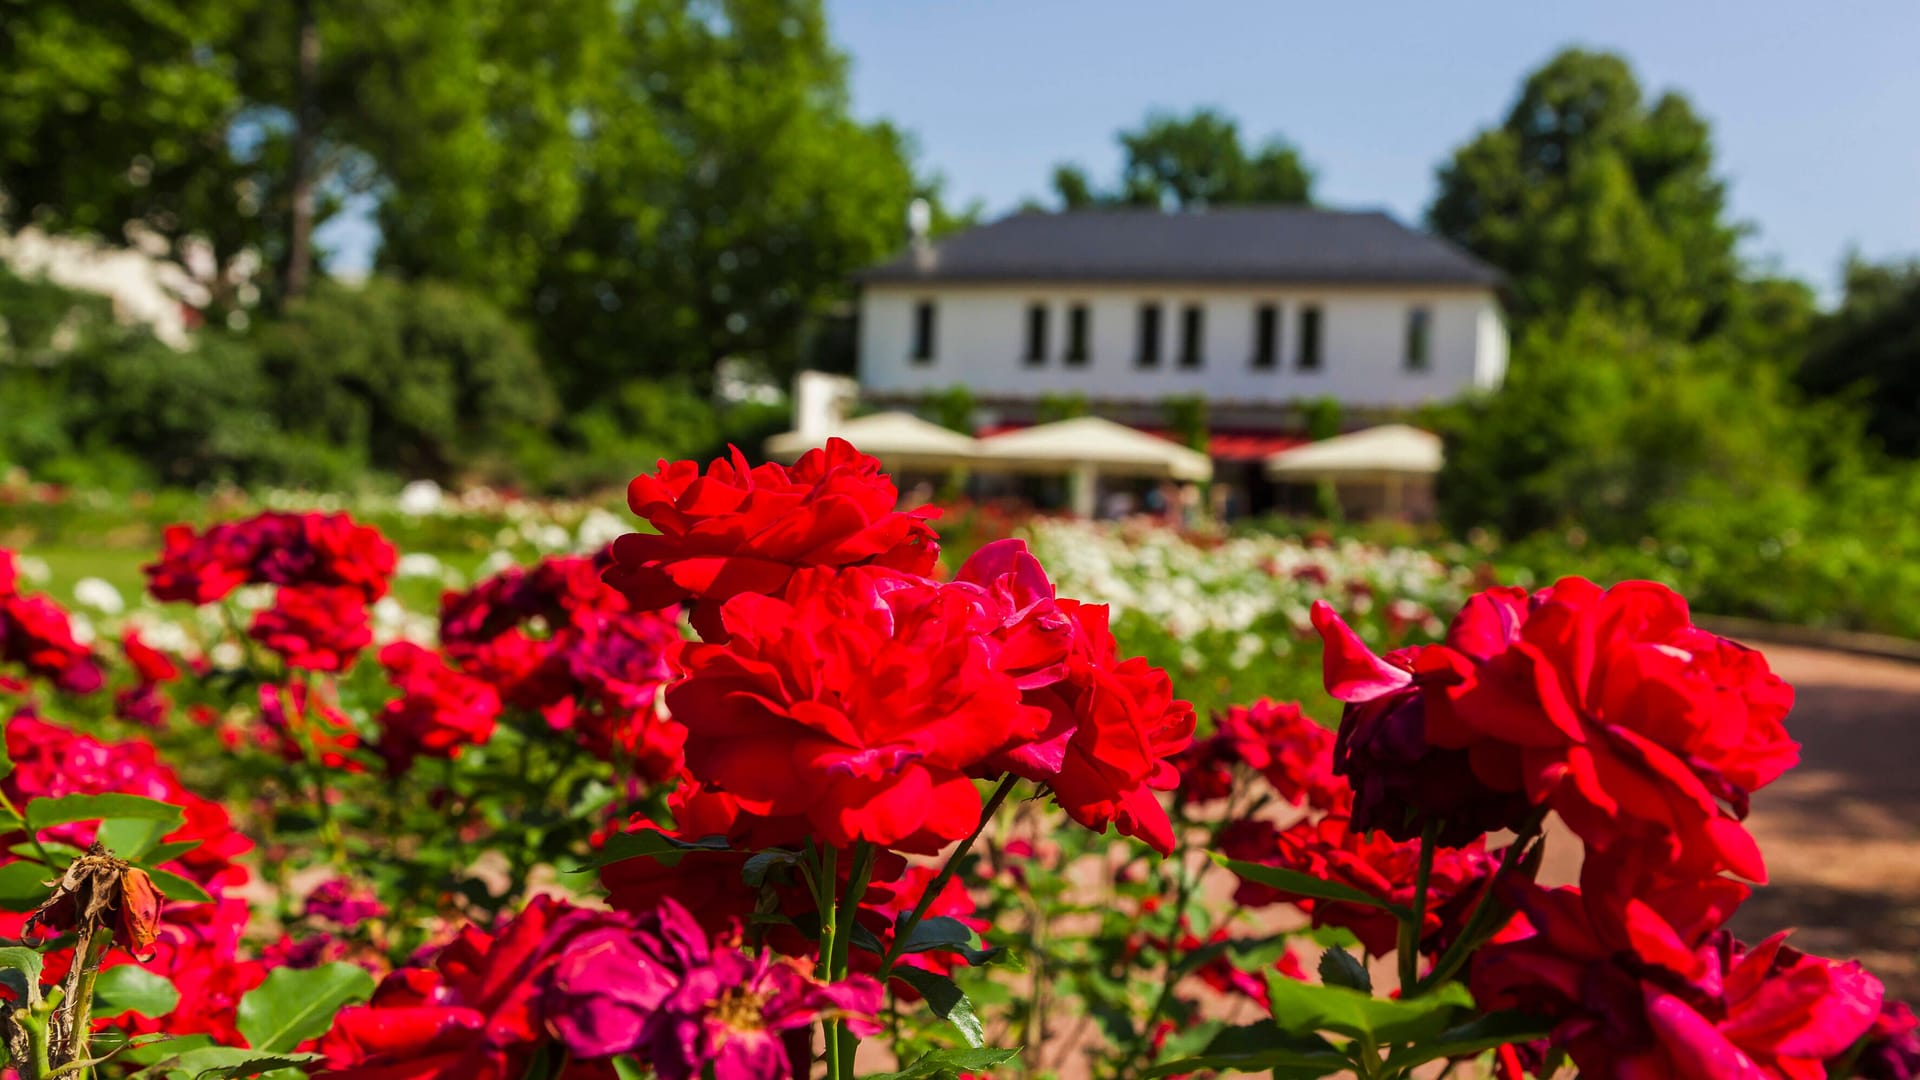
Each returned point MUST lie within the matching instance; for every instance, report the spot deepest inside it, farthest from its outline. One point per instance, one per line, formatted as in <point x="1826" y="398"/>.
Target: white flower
<point x="99" y="595"/>
<point x="599" y="528"/>
<point x="419" y="564"/>
<point x="420" y="498"/>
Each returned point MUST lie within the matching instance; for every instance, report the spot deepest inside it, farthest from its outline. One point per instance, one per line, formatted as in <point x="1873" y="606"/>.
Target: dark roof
<point x="1251" y="244"/>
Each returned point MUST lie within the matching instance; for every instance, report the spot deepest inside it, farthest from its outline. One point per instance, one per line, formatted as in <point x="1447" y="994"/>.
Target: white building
<point x="1257" y="308"/>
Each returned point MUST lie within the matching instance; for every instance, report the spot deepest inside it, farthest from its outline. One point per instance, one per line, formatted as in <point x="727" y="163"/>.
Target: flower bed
<point x="762" y="792"/>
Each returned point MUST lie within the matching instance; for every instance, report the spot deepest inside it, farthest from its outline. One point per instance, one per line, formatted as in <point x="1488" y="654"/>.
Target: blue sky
<point x="1815" y="108"/>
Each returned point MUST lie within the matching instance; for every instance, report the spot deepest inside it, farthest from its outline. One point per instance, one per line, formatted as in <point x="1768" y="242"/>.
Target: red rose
<point x="1723" y="1010"/>
<point x="741" y="529"/>
<point x="36" y="634"/>
<point x="1400" y="781"/>
<point x="149" y="664"/>
<point x="439" y="710"/>
<point x="859" y="703"/>
<point x="1330" y="849"/>
<point x="1611" y="709"/>
<point x="319" y="629"/>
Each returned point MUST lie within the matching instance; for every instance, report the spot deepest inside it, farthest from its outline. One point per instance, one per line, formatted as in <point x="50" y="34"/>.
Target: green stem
<point x="1473" y="933"/>
<point x="825" y="886"/>
<point x="1169" y="978"/>
<point x="904" y="929"/>
<point x="848" y="909"/>
<point x="1411" y="929"/>
<point x="33" y="837"/>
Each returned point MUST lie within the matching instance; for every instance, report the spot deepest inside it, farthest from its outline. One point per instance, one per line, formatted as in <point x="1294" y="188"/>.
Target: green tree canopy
<point x="1588" y="195"/>
<point x="1190" y="162"/>
<point x="1869" y="350"/>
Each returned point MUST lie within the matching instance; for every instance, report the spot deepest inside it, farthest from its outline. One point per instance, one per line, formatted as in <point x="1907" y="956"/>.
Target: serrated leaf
<point x="293" y="1006"/>
<point x="1339" y="968"/>
<point x="649" y="844"/>
<point x="1304" y="1009"/>
<point x="947" y="1002"/>
<point x="1296" y="883"/>
<point x="863" y="938"/>
<point x="178" y="888"/>
<point x="130" y="988"/>
<point x="951" y="1063"/>
<point x="1474" y="1037"/>
<point x="45" y="813"/>
<point x="1260" y="1047"/>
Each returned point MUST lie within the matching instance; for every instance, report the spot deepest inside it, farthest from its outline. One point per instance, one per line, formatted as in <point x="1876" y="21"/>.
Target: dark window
<point x="1077" y="335"/>
<point x="1266" y="336"/>
<point x="923" y="332"/>
<point x="1149" y="335"/>
<point x="1310" y="339"/>
<point x="1192" y="336"/>
<point x="1419" y="333"/>
<point x="1037" y="334"/>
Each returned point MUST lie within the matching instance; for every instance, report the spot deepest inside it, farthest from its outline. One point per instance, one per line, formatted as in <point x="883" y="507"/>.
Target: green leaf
<point x="293" y="1006"/>
<point x="165" y="853"/>
<point x="627" y="1068"/>
<point x="6" y="762"/>
<point x="20" y="970"/>
<point x="946" y="1001"/>
<point x="44" y="813"/>
<point x="647" y="843"/>
<point x="1474" y="1037"/>
<point x="1299" y="884"/>
<point x="1260" y="1047"/>
<point x="1303" y="1009"/>
<point x="950" y="1063"/>
<point x="23" y="885"/>
<point x="131" y="838"/>
<point x="863" y="939"/>
<point x="1339" y="968"/>
<point x="940" y="932"/>
<point x="130" y="988"/>
<point x="178" y="888"/>
<point x="754" y="872"/>
<point x="204" y="1062"/>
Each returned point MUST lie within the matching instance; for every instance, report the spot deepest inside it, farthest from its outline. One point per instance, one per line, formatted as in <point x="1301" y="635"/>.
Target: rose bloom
<point x="438" y="712"/>
<point x="275" y="548"/>
<point x="296" y="720"/>
<point x="1612" y="709"/>
<point x="1331" y="850"/>
<point x="475" y="1014"/>
<point x="859" y="703"/>
<point x="1400" y="781"/>
<point x="740" y="529"/>
<point x="36" y="634"/>
<point x="317" y="629"/>
<point x="1276" y="740"/>
<point x="150" y="665"/>
<point x="1893" y="1045"/>
<point x="1728" y="1011"/>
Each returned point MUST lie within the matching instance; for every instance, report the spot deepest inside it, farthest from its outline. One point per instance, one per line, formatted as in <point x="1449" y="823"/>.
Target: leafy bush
<point x="430" y="380"/>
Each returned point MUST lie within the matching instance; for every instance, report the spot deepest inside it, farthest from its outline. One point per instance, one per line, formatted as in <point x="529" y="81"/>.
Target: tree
<point x="1870" y="350"/>
<point x="726" y="196"/>
<point x="1191" y="162"/>
<point x="1587" y="195"/>
<point x="121" y="115"/>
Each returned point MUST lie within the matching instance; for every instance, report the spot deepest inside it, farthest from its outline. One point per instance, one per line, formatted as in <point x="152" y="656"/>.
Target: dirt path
<point x="1842" y="832"/>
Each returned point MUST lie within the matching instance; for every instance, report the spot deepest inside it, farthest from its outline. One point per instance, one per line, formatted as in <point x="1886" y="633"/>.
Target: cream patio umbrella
<point x="1087" y="446"/>
<point x="1390" y="455"/>
<point x="900" y="440"/>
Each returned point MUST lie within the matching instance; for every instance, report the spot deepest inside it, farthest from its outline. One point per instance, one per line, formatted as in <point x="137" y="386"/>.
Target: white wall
<point x="980" y="341"/>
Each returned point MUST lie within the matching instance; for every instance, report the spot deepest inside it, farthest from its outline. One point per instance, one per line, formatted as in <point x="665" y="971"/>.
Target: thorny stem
<point x="905" y="928"/>
<point x="824" y="887"/>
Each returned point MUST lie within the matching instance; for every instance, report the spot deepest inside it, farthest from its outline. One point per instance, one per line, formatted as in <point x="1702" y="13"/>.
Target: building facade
<point x="1257" y="310"/>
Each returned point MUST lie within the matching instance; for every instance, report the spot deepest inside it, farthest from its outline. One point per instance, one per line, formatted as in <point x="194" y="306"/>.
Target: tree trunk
<point x="299" y="265"/>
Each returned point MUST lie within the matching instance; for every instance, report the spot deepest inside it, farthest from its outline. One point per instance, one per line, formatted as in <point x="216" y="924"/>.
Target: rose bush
<point x="766" y="792"/>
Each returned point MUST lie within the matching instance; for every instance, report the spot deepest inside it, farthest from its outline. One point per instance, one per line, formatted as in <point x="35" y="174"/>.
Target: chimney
<point x="820" y="403"/>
